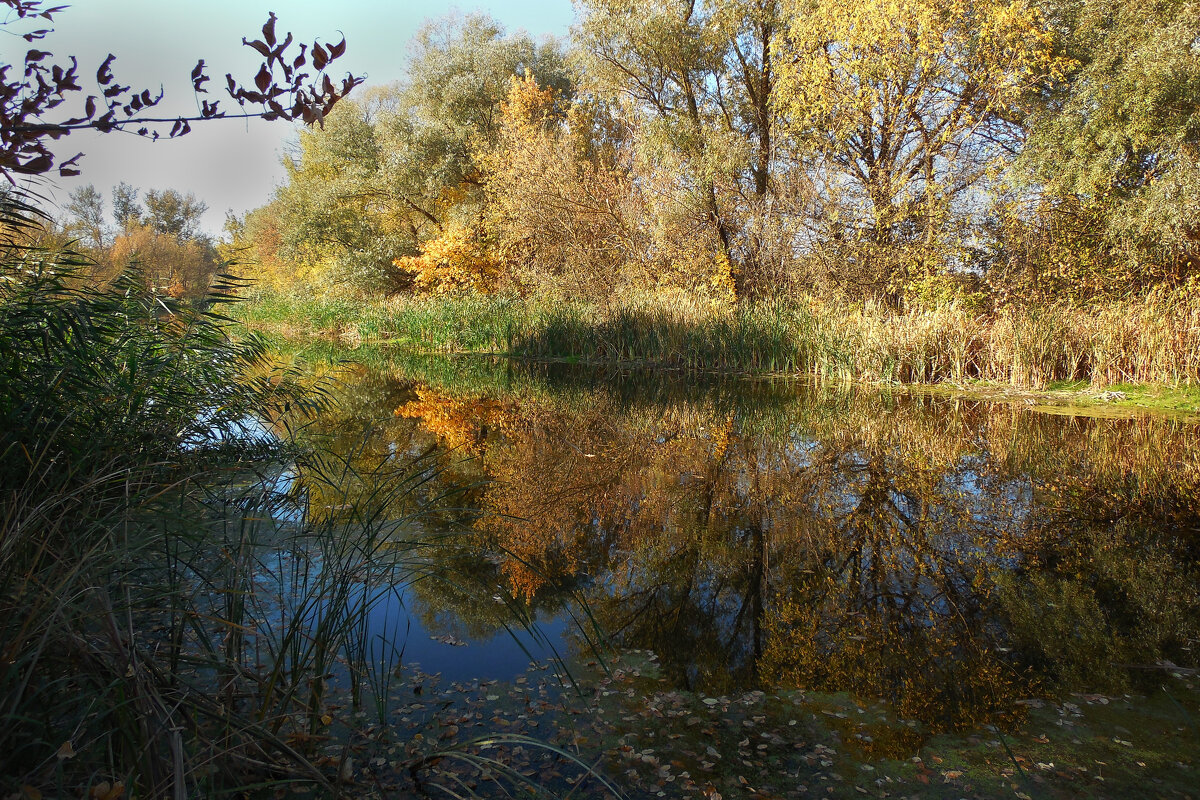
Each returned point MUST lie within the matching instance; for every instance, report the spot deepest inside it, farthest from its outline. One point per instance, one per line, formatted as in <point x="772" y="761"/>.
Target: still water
<point x="949" y="556"/>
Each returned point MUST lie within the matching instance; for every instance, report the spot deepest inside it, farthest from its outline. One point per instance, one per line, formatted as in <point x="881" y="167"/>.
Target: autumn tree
<point x="562" y="209"/>
<point x="400" y="168"/>
<point x="163" y="239"/>
<point x="457" y="77"/>
<point x="180" y="267"/>
<point x="1115" y="148"/>
<point x="698" y="78"/>
<point x="902" y="113"/>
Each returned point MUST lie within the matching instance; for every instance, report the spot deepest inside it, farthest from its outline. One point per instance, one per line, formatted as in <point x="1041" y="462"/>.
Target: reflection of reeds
<point x="1141" y="341"/>
<point x="1149" y="454"/>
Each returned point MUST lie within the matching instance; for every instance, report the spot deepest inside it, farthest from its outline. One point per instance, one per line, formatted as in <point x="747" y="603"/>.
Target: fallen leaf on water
<point x="103" y="791"/>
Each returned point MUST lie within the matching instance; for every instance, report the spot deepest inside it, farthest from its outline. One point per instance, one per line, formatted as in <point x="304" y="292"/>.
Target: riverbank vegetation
<point x="1002" y="190"/>
<point x="1151" y="340"/>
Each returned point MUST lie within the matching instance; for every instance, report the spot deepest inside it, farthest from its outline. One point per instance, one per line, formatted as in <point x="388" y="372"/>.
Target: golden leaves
<point x="458" y="422"/>
<point x="944" y="60"/>
<point x="457" y="260"/>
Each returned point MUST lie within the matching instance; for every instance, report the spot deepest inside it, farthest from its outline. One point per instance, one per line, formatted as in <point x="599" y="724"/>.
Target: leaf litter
<point x="627" y="733"/>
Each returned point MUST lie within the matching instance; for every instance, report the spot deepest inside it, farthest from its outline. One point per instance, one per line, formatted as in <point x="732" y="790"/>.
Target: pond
<point x="950" y="557"/>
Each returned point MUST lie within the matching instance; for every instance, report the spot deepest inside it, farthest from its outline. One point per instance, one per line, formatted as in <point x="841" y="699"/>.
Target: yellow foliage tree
<point x="559" y="212"/>
<point x="905" y="108"/>
<point x="457" y="260"/>
<point x="575" y="214"/>
<point x="180" y="268"/>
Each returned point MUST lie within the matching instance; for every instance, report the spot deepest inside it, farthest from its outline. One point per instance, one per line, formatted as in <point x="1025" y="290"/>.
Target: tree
<point x="336" y="222"/>
<point x="283" y="89"/>
<point x="1121" y="136"/>
<point x="902" y="112"/>
<point x="562" y="209"/>
<point x="402" y="166"/>
<point x="699" y="77"/>
<point x="126" y="208"/>
<point x="180" y="267"/>
<point x="458" y="75"/>
<point x="86" y="216"/>
<point x="171" y="213"/>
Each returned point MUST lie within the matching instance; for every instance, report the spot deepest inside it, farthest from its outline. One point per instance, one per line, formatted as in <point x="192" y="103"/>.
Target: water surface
<point x="952" y="557"/>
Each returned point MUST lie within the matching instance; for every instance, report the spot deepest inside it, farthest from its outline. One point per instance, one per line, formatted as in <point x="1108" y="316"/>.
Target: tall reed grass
<point x="175" y="607"/>
<point x="1153" y="340"/>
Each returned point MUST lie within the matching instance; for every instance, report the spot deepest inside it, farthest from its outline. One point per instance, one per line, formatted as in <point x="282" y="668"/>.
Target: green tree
<point x="338" y="219"/>
<point x="174" y="214"/>
<point x="126" y="208"/>
<point x="449" y="105"/>
<point x="1121" y="136"/>
<point x="86" y="216"/>
<point x="390" y="172"/>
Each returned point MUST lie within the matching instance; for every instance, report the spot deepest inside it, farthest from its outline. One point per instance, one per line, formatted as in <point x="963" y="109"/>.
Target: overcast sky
<point x="233" y="164"/>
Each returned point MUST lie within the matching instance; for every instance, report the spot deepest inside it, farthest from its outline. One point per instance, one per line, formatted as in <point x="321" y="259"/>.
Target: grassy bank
<point x="1135" y="342"/>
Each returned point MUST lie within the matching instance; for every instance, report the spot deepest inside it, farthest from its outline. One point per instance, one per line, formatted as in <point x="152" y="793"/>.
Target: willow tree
<point x="399" y="169"/>
<point x="1119" y="142"/>
<point x="902" y="111"/>
<point x="698" y="78"/>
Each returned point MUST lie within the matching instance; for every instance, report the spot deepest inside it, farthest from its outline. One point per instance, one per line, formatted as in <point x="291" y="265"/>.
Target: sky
<point x="233" y="164"/>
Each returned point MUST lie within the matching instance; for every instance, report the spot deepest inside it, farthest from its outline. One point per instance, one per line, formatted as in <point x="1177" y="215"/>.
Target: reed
<point x="1148" y="340"/>
<point x="180" y="590"/>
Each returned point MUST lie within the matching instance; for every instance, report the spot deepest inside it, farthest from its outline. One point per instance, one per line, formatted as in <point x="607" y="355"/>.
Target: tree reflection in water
<point x="948" y="556"/>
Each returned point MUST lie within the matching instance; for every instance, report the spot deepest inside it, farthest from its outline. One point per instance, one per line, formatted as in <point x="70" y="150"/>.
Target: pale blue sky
<point x="234" y="164"/>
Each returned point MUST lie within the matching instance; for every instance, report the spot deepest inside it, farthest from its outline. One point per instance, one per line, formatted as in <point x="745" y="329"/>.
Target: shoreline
<point x="1080" y="397"/>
